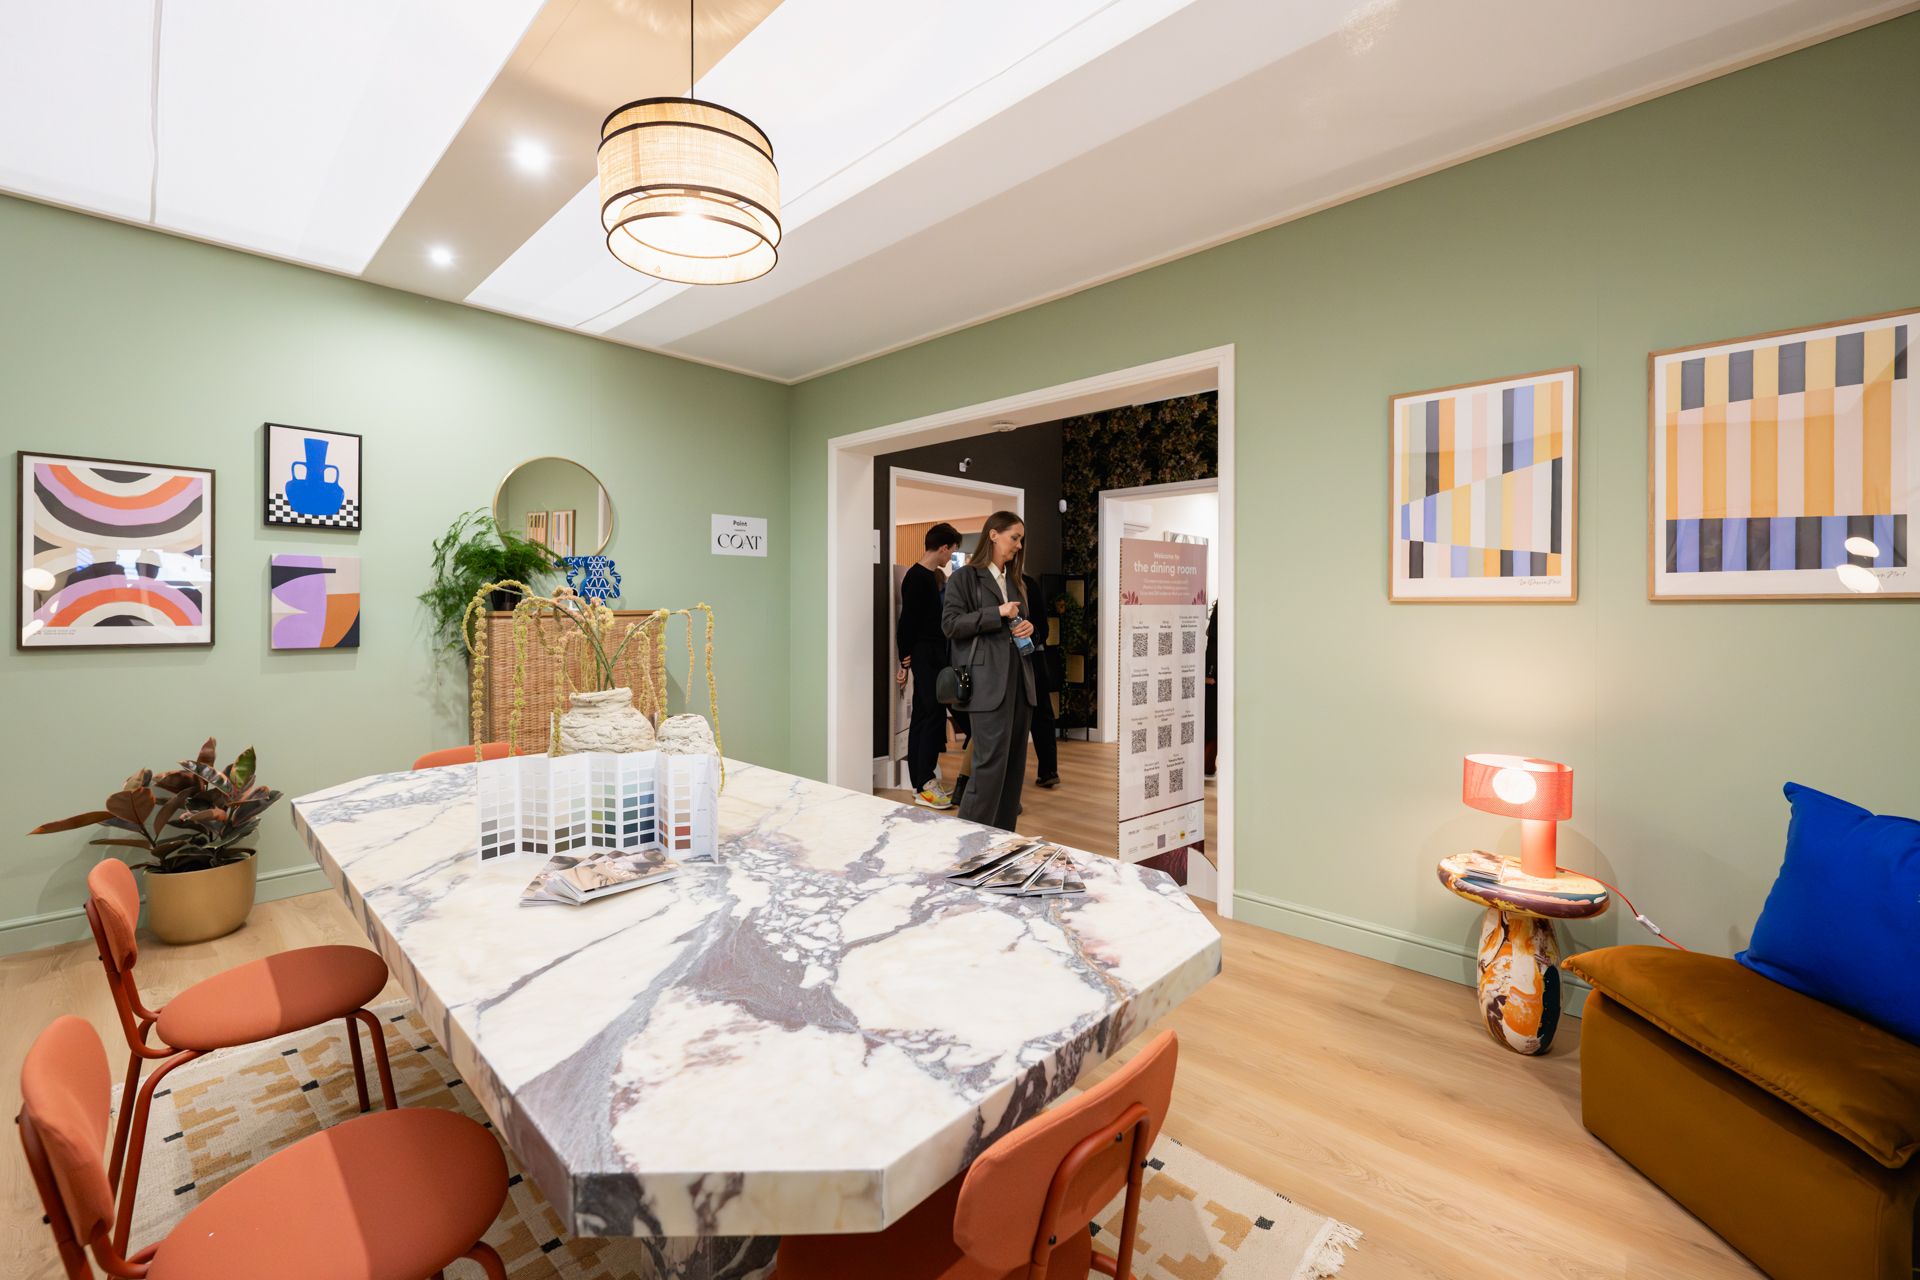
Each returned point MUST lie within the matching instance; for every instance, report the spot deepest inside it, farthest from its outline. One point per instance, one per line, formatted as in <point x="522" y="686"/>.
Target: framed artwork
<point x="1484" y="491"/>
<point x="313" y="478"/>
<point x="560" y="533"/>
<point x="1785" y="466"/>
<point x="314" y="602"/>
<point x="537" y="527"/>
<point x="112" y="555"/>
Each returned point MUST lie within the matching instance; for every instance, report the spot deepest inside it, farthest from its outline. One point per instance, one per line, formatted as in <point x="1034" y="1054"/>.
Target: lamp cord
<point x="1645" y="923"/>
<point x="690" y="37"/>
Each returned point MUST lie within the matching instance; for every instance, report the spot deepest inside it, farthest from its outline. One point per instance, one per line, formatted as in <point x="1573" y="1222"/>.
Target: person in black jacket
<point x="1049" y="676"/>
<point x="923" y="651"/>
<point x="984" y="616"/>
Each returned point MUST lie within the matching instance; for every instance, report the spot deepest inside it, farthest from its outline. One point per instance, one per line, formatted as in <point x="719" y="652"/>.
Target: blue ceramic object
<point x="593" y="577"/>
<point x="313" y="488"/>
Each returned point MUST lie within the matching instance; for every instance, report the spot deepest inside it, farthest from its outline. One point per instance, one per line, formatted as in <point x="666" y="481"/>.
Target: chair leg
<point x="489" y="1261"/>
<point x="136" y="1143"/>
<point x="125" y="1118"/>
<point x="380" y="1057"/>
<point x="359" y="1065"/>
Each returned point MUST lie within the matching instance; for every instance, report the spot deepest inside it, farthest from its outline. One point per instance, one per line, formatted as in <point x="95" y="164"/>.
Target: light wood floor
<point x="1360" y="1090"/>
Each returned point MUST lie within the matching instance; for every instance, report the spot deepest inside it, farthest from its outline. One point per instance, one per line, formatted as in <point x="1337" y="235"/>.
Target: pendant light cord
<point x="690" y="30"/>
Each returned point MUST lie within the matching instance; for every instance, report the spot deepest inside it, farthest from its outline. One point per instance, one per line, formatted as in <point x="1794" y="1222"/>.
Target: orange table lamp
<point x="1538" y="792"/>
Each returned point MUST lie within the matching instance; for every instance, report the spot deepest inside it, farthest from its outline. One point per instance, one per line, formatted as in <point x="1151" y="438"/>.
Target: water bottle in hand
<point x="1023" y="643"/>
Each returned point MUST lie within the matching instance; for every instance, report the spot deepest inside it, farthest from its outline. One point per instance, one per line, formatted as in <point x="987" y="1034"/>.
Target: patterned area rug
<point x="231" y="1110"/>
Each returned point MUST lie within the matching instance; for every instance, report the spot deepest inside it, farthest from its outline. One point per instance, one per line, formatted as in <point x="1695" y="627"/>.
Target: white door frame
<point x="883" y="766"/>
<point x="850" y="550"/>
<point x="1108" y="727"/>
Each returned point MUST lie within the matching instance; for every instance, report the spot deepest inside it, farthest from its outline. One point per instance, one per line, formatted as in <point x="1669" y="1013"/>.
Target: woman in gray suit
<point x="983" y="617"/>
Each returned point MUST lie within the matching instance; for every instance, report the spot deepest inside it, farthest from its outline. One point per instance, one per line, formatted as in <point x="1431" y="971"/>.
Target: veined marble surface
<point x="811" y="1035"/>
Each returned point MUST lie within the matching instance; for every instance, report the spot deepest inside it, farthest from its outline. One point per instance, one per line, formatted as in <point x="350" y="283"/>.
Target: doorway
<point x="853" y="547"/>
<point x="916" y="501"/>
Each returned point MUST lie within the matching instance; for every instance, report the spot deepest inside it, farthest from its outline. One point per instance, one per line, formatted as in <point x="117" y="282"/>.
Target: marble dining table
<point x="811" y="1033"/>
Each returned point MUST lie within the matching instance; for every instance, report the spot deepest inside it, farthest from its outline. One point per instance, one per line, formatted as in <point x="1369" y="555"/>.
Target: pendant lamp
<point x="688" y="189"/>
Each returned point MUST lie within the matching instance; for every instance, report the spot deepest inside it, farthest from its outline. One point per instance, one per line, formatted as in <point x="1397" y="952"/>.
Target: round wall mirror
<point x="557" y="503"/>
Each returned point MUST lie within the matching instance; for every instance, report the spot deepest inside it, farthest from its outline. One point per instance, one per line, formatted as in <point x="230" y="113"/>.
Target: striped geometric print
<point x="119" y="553"/>
<point x="1482" y="489"/>
<point x="1794" y="454"/>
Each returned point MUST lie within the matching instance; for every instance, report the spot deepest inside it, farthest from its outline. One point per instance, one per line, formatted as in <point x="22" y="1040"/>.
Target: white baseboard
<point x="51" y="928"/>
<point x="1381" y="942"/>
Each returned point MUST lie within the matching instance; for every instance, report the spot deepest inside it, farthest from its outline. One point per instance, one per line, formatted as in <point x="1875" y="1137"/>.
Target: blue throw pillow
<point x="1842" y="923"/>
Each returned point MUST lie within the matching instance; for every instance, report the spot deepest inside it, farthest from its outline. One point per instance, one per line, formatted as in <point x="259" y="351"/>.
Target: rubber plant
<point x="188" y="819"/>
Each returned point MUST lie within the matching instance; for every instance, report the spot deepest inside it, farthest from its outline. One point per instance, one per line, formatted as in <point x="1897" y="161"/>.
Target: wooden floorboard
<point x="1360" y="1090"/>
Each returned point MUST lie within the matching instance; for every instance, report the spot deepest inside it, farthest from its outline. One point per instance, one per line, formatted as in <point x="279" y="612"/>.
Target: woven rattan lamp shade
<point x="689" y="192"/>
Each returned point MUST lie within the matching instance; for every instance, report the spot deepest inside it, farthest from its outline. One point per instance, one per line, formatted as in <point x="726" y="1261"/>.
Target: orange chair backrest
<point x="1000" y="1206"/>
<point x="116" y="902"/>
<point x="64" y="1091"/>
<point x="462" y="755"/>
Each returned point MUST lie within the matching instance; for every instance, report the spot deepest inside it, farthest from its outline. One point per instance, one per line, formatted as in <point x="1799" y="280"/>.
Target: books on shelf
<point x="576" y="880"/>
<point x="1021" y="868"/>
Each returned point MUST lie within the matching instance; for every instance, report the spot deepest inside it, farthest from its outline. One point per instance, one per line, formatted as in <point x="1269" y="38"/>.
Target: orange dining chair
<point x="256" y="1001"/>
<point x="463" y="755"/>
<point x="396" y="1195"/>
<point x="1022" y="1211"/>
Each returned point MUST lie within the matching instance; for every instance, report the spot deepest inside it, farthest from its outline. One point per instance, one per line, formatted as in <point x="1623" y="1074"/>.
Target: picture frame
<point x="537" y="528"/>
<point x="312" y="478"/>
<point x="112" y="554"/>
<point x="313" y="602"/>
<point x="1785" y="466"/>
<point x="1483" y="491"/>
<point x="560" y="532"/>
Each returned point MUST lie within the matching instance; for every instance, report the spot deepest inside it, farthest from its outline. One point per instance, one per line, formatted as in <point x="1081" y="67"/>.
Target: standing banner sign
<point x="1162" y="666"/>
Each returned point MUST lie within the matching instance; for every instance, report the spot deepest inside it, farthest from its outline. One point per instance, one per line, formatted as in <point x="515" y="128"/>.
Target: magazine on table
<point x="577" y="880"/>
<point x="1021" y="868"/>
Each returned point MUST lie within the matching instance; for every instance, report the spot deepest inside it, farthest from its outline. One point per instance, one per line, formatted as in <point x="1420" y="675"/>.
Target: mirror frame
<point x="500" y="491"/>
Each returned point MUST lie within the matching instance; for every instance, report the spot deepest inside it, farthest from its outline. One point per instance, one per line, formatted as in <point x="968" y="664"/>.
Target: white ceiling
<point x="940" y="163"/>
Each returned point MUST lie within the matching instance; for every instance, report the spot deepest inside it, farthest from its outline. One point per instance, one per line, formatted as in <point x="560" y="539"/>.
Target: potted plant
<point x="472" y="553"/>
<point x="193" y="824"/>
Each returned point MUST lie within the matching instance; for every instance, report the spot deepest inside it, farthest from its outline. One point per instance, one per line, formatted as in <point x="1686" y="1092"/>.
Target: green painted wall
<point x="1779" y="196"/>
<point x="118" y="342"/>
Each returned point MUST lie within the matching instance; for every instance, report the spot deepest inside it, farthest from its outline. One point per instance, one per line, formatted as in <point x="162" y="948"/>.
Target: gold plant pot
<point x="193" y="906"/>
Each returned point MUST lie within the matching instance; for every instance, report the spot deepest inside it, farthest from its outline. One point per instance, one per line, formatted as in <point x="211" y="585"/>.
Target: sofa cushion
<point x="1842" y="923"/>
<point x="1856" y="1079"/>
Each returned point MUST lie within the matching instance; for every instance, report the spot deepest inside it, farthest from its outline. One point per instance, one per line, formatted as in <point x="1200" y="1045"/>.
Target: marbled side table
<point x="1519" y="952"/>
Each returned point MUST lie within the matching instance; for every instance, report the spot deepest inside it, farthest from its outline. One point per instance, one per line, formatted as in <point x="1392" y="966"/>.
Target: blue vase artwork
<point x="313" y="477"/>
<point x="593" y="577"/>
<point x="313" y="487"/>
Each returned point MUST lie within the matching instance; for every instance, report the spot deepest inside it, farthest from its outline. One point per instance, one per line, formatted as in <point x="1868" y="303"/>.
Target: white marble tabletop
<point x="811" y="1035"/>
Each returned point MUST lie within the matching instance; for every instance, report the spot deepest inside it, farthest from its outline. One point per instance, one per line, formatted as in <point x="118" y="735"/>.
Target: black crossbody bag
<point x="953" y="686"/>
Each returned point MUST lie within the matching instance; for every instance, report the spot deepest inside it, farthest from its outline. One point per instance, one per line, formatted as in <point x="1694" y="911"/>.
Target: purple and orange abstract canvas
<point x="315" y="602"/>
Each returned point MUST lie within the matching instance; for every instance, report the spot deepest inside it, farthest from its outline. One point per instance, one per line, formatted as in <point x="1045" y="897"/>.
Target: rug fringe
<point x="1329" y="1253"/>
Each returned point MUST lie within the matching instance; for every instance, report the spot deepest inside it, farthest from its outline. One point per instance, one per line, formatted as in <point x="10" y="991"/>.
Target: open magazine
<point x="1021" y="868"/>
<point x="576" y="880"/>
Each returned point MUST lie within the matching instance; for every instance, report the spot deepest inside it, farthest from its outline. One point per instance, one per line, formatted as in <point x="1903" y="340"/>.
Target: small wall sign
<point x="739" y="536"/>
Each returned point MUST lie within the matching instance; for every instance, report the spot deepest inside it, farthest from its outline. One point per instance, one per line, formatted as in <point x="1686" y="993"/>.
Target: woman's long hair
<point x="1000" y="522"/>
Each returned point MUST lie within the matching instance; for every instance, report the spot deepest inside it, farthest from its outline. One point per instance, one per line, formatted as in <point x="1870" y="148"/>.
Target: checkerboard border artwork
<point x="346" y="450"/>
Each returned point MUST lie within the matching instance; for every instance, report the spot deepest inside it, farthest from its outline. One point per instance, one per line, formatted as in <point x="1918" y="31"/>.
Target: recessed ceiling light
<point x="440" y="256"/>
<point x="530" y="155"/>
<point x="1006" y="426"/>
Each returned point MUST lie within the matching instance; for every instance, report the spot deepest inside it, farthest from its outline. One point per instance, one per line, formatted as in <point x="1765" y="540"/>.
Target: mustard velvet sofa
<point x="1785" y="1124"/>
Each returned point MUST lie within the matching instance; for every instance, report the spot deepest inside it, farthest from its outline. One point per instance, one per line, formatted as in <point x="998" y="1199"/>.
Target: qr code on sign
<point x="1166" y="736"/>
<point x="1139" y="644"/>
<point x="1139" y="693"/>
<point x="1139" y="741"/>
<point x="1176" y="778"/>
<point x="1188" y="639"/>
<point x="1186" y="733"/>
<point x="1153" y="786"/>
<point x="1166" y="644"/>
<point x="1186" y="686"/>
<point x="1166" y="689"/>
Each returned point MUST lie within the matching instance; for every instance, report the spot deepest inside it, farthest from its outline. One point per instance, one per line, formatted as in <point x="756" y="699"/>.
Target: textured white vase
<point x="604" y="721"/>
<point x="686" y="735"/>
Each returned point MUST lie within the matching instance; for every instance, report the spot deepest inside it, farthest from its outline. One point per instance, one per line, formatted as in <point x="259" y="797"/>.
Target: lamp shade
<point x="689" y="191"/>
<point x="1518" y="787"/>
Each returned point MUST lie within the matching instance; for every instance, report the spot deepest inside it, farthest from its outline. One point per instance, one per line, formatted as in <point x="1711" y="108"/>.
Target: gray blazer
<point x="972" y="609"/>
